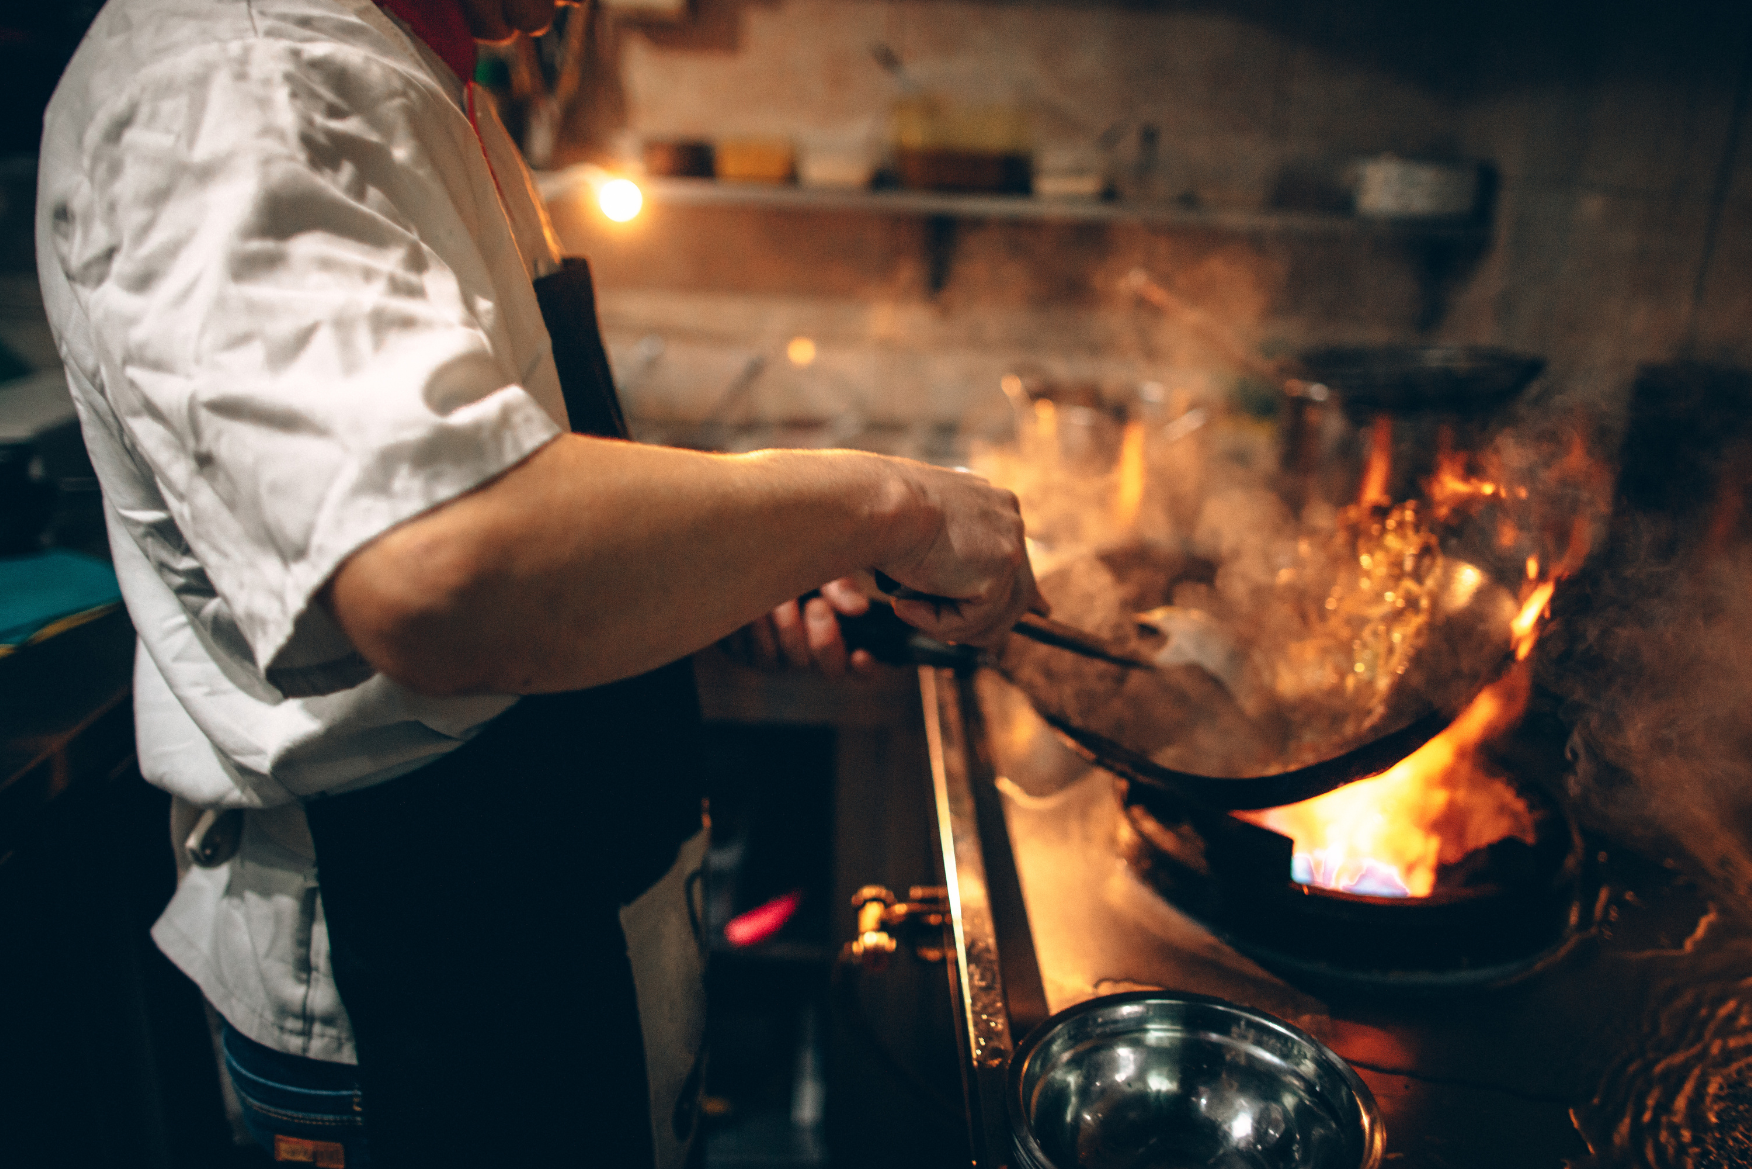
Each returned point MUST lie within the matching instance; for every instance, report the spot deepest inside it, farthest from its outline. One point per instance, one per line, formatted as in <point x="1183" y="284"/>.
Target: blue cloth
<point x="310" y="1104"/>
<point x="40" y="589"/>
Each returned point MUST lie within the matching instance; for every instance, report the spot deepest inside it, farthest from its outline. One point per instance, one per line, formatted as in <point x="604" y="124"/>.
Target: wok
<point x="1453" y="379"/>
<point x="1406" y="379"/>
<point x="1467" y="649"/>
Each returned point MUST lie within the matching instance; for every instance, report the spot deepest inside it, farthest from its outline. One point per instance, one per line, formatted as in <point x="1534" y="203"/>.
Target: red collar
<point x="441" y="25"/>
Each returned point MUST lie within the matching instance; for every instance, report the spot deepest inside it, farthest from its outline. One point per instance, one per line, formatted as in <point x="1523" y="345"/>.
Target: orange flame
<point x="1128" y="496"/>
<point x="1524" y="629"/>
<point x="1380" y="464"/>
<point x="1452" y="488"/>
<point x="1388" y="835"/>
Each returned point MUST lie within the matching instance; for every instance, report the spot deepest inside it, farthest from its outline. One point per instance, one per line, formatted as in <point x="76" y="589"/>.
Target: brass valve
<point x="881" y="916"/>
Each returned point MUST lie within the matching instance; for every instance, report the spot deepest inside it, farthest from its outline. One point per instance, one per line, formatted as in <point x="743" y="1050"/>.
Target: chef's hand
<point x="805" y="635"/>
<point x="975" y="556"/>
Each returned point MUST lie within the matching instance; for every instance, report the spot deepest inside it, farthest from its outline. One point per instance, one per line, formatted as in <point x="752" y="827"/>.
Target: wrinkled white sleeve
<point x="293" y="320"/>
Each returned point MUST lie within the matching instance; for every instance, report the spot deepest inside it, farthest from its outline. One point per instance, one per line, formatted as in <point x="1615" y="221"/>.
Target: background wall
<point x="1622" y="230"/>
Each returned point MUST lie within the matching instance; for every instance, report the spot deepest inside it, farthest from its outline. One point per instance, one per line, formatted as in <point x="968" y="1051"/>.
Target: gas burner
<point x="1494" y="916"/>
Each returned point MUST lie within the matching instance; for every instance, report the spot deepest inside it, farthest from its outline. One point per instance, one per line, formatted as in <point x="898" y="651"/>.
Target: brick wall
<point x="1623" y="218"/>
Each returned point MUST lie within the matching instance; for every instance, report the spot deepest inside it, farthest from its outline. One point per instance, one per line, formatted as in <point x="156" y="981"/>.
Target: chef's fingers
<point x="984" y="620"/>
<point x="972" y="551"/>
<point x="965" y="621"/>
<point x="764" y="643"/>
<point x="827" y="645"/>
<point x="787" y="622"/>
<point x="846" y="597"/>
<point x="1000" y="619"/>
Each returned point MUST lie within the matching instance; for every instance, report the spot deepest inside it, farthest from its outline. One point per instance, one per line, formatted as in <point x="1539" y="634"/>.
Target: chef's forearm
<point x="594" y="560"/>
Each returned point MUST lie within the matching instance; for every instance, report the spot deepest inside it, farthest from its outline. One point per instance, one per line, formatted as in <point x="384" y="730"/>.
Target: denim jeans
<point x="300" y="1110"/>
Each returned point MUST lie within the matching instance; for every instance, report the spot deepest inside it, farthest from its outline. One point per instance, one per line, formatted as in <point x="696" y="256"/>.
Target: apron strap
<point x="569" y="295"/>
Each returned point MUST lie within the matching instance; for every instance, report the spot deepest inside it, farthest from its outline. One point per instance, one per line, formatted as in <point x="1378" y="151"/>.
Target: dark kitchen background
<point x="1607" y="229"/>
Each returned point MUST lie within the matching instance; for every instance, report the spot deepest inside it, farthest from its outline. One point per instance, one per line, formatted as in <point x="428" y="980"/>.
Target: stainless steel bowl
<point x="1154" y="1080"/>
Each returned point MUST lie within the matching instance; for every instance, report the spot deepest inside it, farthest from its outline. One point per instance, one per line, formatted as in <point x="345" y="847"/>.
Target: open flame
<point x="1353" y="600"/>
<point x="1453" y="488"/>
<point x="1524" y="629"/>
<point x="1128" y="493"/>
<point x="1374" y="485"/>
<point x="1390" y="834"/>
<point x="1387" y="835"/>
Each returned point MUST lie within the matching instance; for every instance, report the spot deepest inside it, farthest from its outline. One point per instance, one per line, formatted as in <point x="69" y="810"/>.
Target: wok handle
<point x="893" y="588"/>
<point x="1033" y="626"/>
<point x="890" y="640"/>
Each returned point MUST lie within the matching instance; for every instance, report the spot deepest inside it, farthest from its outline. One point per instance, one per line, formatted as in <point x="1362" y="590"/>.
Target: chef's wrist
<point x="903" y="516"/>
<point x="863" y="510"/>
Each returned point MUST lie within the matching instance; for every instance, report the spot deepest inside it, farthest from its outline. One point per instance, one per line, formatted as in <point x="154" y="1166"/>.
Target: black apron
<point x="473" y="905"/>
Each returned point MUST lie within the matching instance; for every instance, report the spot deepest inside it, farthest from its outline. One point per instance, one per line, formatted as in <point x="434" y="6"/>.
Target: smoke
<point x="1651" y="651"/>
<point x="1656" y="680"/>
<point x="1648" y="652"/>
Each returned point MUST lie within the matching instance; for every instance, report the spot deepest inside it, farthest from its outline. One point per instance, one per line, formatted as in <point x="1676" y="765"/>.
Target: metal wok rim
<point x="1421" y="377"/>
<point x="1373" y="1130"/>
<point x="1253" y="792"/>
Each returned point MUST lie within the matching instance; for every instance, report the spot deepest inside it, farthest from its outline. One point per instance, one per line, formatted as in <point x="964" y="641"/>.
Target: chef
<point x="405" y="596"/>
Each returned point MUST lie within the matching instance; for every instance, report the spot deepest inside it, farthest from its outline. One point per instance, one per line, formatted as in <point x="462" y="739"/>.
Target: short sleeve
<point x="276" y="248"/>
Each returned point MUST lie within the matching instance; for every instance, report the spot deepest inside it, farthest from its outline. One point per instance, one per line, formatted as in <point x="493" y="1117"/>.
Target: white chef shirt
<point x="295" y="309"/>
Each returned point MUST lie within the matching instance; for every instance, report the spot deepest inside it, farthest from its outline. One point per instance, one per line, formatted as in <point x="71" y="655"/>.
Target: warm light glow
<point x="801" y="351"/>
<point x="1380" y="465"/>
<point x="1128" y="494"/>
<point x="1046" y="426"/>
<point x="1386" y="836"/>
<point x="620" y="199"/>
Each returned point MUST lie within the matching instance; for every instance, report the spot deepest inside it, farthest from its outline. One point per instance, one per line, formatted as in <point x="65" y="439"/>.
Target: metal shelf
<point x="1445" y="244"/>
<point x="929" y="204"/>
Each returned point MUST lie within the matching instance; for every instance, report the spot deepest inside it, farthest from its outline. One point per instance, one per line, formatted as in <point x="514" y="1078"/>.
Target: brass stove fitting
<point x="881" y="916"/>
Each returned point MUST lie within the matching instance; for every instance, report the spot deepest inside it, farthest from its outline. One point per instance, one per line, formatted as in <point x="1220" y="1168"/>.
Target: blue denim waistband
<point x="290" y="1083"/>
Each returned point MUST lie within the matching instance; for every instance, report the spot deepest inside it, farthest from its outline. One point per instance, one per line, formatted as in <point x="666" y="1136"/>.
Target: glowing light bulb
<point x="801" y="351"/>
<point x="620" y="199"/>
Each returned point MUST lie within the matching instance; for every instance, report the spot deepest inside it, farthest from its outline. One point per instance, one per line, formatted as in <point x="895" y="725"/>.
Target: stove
<point x="1612" y="1025"/>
